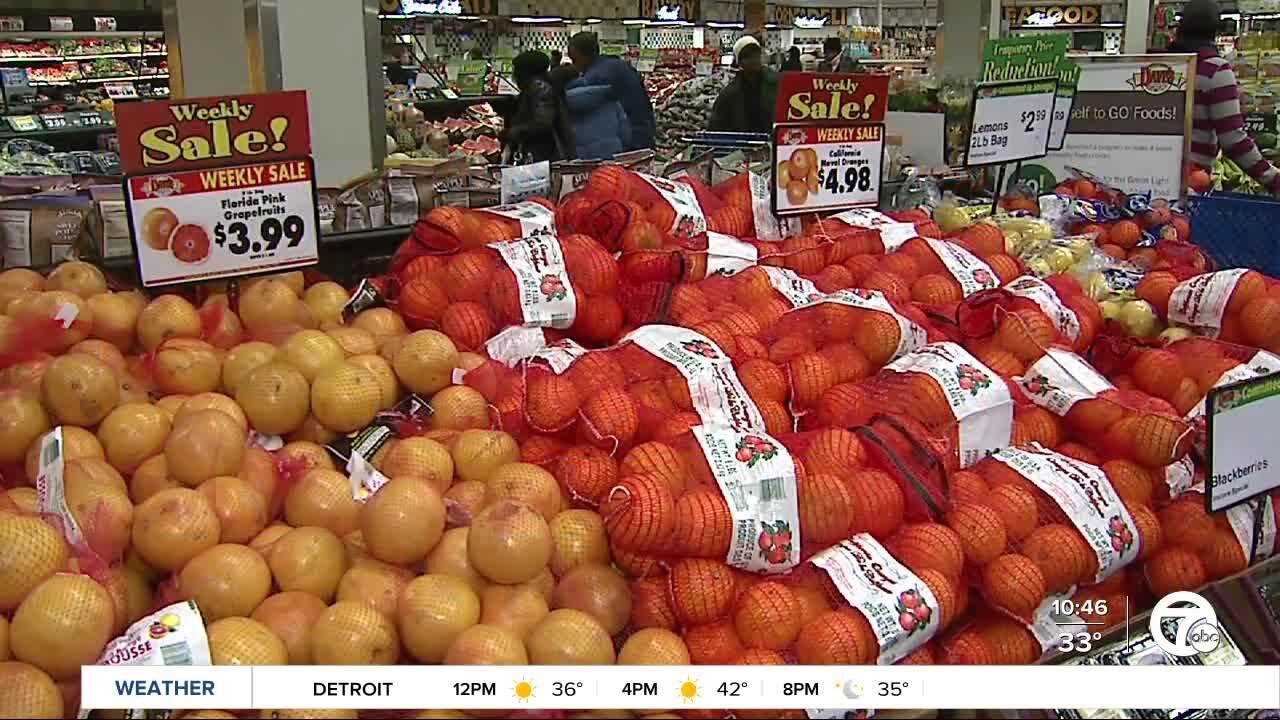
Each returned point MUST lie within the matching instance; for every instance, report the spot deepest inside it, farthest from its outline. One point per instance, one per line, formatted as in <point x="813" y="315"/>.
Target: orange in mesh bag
<point x="1130" y="423"/>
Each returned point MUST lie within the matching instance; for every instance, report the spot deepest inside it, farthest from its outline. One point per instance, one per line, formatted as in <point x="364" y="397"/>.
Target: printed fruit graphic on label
<point x="190" y="244"/>
<point x="157" y="226"/>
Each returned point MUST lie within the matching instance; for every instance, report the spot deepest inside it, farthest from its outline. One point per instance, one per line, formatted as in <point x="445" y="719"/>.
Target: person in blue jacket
<point x="623" y="82"/>
<point x="600" y="125"/>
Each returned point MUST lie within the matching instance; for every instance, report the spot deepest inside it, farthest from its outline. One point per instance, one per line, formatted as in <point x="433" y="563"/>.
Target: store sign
<point x="810" y="22"/>
<point x="1243" y="459"/>
<point x="831" y="98"/>
<point x="1053" y="15"/>
<point x="1130" y="125"/>
<point x="670" y="11"/>
<point x="219" y="187"/>
<point x="439" y="7"/>
<point x="1068" y="81"/>
<point x="796" y="15"/>
<point x="827" y="167"/>
<point x="1013" y="103"/>
<point x="192" y="133"/>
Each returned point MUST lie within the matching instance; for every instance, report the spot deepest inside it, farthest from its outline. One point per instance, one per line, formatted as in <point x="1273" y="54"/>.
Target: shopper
<point x="833" y="58"/>
<point x="747" y="103"/>
<point x="538" y="128"/>
<point x="792" y="63"/>
<point x="600" y="126"/>
<point x="1217" y="121"/>
<point x="623" y="82"/>
<point x="556" y="59"/>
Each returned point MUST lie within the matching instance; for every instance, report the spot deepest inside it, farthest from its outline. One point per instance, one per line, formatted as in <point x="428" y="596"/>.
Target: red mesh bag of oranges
<point x="942" y="397"/>
<point x="1117" y="422"/>
<point x="567" y="283"/>
<point x="1051" y="523"/>
<point x="851" y="604"/>
<point x="656" y="383"/>
<point x="1012" y="327"/>
<point x="1236" y="306"/>
<point x="894" y="228"/>
<point x="450" y="229"/>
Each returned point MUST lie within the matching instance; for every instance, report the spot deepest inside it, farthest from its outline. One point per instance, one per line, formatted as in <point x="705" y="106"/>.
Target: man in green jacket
<point x="747" y="103"/>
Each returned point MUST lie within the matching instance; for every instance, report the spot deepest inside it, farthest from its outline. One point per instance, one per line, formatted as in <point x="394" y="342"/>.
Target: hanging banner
<point x="219" y="187"/>
<point x="1130" y="125"/>
<point x="831" y="98"/>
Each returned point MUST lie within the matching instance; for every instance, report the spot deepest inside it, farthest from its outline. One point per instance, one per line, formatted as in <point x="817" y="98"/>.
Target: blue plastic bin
<point x="1237" y="230"/>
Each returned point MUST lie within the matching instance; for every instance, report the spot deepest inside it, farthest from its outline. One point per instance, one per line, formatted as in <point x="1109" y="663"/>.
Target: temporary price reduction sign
<point x="219" y="187"/>
<point x="828" y="141"/>
<point x="1013" y="103"/>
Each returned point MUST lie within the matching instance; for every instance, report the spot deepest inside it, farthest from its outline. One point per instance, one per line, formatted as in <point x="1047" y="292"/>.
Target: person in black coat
<point x="538" y="128"/>
<point x="792" y="63"/>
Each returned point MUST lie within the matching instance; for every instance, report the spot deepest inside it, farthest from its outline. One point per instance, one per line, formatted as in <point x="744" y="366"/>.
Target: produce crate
<point x="1236" y="230"/>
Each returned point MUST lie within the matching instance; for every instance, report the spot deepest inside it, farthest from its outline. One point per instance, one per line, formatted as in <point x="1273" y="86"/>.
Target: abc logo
<point x="1194" y="621"/>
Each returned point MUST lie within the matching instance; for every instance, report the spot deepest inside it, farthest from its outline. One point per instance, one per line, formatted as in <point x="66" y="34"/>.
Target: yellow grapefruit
<point x="226" y="581"/>
<point x="204" y="444"/>
<point x="132" y="433"/>
<point x="433" y="610"/>
<point x="345" y="397"/>
<point x="509" y="543"/>
<point x="275" y="397"/>
<point x="241" y="360"/>
<point x="309" y="559"/>
<point x="242" y="641"/>
<point x="173" y="526"/>
<point x="403" y="521"/>
<point x="79" y="390"/>
<point x="63" y="623"/>
<point x="166" y="317"/>
<point x="425" y="362"/>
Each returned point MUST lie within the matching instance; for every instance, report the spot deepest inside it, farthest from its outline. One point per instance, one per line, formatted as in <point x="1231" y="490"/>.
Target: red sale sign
<point x="831" y="98"/>
<point x="190" y="133"/>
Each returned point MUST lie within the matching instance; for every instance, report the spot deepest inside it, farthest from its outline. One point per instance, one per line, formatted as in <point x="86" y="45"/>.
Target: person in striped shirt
<point x="1216" y="120"/>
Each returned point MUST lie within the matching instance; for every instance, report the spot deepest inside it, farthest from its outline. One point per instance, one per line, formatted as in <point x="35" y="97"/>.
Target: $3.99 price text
<point x="265" y="237"/>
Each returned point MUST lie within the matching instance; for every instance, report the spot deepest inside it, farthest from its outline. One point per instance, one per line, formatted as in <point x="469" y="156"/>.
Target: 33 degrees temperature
<point x="237" y="240"/>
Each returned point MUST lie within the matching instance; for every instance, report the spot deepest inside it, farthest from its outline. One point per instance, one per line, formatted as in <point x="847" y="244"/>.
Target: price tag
<point x="23" y="123"/>
<point x="55" y="121"/>
<point x="703" y="67"/>
<point x="104" y="24"/>
<point x="12" y="23"/>
<point x="646" y="64"/>
<point x="1259" y="122"/>
<point x="60" y="23"/>
<point x="121" y="91"/>
<point x="1242" y="462"/>
<point x="1011" y="121"/>
<point x="93" y="118"/>
<point x="448" y="93"/>
<point x="421" y="94"/>
<point x="826" y="168"/>
<point x="226" y="221"/>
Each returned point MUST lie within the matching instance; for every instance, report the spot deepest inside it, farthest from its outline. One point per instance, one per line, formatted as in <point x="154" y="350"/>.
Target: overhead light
<point x="594" y="20"/>
<point x="527" y="20"/>
<point x="468" y="17"/>
<point x="635" y="21"/>
<point x="771" y="26"/>
<point x="395" y="17"/>
<point x="716" y="24"/>
<point x="1229" y="16"/>
<point x="668" y="12"/>
<point x="1111" y="24"/>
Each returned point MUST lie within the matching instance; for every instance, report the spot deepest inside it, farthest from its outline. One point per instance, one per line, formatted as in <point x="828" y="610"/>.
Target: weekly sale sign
<point x="219" y="187"/>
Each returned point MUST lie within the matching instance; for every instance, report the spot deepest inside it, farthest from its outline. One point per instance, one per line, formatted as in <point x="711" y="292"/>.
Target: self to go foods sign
<point x="219" y="187"/>
<point x="828" y="141"/>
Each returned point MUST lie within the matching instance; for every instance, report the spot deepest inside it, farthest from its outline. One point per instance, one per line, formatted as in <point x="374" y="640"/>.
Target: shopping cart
<point x="1237" y="230"/>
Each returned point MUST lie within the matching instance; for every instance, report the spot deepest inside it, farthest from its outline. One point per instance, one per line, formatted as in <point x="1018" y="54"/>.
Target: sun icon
<point x="523" y="690"/>
<point x="689" y="690"/>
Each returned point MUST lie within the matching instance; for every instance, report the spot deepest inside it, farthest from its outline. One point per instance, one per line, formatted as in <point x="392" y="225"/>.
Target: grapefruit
<point x="275" y="398"/>
<point x="241" y="360"/>
<point x="30" y="693"/>
<point x="449" y="557"/>
<point x="459" y="408"/>
<point x="478" y="453"/>
<point x="345" y="397"/>
<point x="79" y="390"/>
<point x="226" y="580"/>
<point x="291" y="615"/>
<point x="597" y="590"/>
<point x="204" y="444"/>
<point x="509" y="542"/>
<point x="268" y="306"/>
<point x="214" y="401"/>
<point x="569" y="637"/>
<point x="434" y="610"/>
<point x="168" y="316"/>
<point x="420" y="458"/>
<point x="77" y="277"/>
<point x="308" y="559"/>
<point x="114" y="319"/>
<point x="35" y="551"/>
<point x="382" y="371"/>
<point x="577" y="538"/>
<point x="351" y="633"/>
<point x="173" y="526"/>
<point x="326" y="300"/>
<point x="132" y="433"/>
<point x="187" y="367"/>
<point x="241" y="509"/>
<point x="323" y="498"/>
<point x="311" y="352"/>
<point x="425" y="361"/>
<point x="242" y="641"/>
<point x="63" y="623"/>
<point x="22" y="422"/>
<point x="486" y="645"/>
<point x="403" y="521"/>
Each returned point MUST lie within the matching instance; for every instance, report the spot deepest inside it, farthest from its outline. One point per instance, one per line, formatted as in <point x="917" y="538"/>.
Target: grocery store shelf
<point x="94" y="130"/>
<point x="76" y="58"/>
<point x="57" y="35"/>
<point x="118" y="78"/>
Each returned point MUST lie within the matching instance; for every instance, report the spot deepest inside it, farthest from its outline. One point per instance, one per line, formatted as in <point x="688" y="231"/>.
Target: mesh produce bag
<point x="568" y="283"/>
<point x="1117" y="423"/>
<point x="1237" y="306"/>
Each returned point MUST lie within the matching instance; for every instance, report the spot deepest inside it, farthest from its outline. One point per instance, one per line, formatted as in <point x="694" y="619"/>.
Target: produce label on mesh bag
<point x="353" y="449"/>
<point x="1262" y="363"/>
<point x="689" y="222"/>
<point x="718" y="396"/>
<point x="769" y="227"/>
<point x="901" y="609"/>
<point x="973" y="274"/>
<point x="727" y="255"/>
<point x="1046" y="298"/>
<point x="1254" y="525"/>
<point x="1060" y="379"/>
<point x="797" y="290"/>
<point x="51" y="496"/>
<point x="173" y="635"/>
<point x="1200" y="303"/>
<point x="518" y="343"/>
<point x="533" y="217"/>
<point x="547" y="298"/>
<point x="911" y="337"/>
<point x="979" y="398"/>
<point x="1180" y="478"/>
<point x="893" y="234"/>
<point x="758" y="479"/>
<point x="1086" y="496"/>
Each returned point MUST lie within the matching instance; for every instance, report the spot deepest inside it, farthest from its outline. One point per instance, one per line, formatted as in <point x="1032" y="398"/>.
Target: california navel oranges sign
<point x="219" y="187"/>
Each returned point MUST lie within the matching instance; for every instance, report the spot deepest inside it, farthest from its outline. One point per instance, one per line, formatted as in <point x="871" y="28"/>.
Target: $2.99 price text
<point x="206" y="224"/>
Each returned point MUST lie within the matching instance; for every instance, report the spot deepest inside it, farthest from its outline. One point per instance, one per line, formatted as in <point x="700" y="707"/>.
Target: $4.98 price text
<point x="223" y="222"/>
